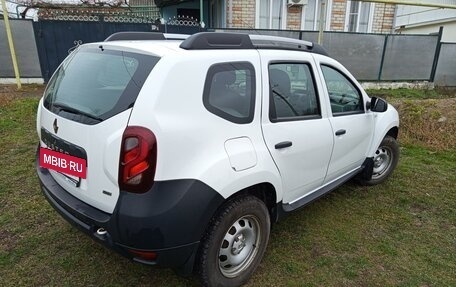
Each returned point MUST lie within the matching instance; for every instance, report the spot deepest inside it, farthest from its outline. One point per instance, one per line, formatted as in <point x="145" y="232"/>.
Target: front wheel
<point x="234" y="243"/>
<point x="385" y="160"/>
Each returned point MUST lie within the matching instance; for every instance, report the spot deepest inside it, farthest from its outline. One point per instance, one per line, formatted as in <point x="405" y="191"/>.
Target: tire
<point x="234" y="244"/>
<point x="385" y="161"/>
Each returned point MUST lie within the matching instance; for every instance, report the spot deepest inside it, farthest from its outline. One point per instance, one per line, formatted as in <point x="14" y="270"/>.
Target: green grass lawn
<point x="400" y="233"/>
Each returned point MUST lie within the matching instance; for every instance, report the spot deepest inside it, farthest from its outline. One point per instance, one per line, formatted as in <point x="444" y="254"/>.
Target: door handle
<point x="283" y="145"/>
<point x="340" y="132"/>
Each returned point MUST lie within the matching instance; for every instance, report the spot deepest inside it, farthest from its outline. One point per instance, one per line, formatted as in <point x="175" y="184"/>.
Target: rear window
<point x="94" y="84"/>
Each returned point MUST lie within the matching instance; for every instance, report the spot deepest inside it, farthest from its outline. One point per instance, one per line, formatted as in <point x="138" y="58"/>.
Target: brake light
<point x="138" y="159"/>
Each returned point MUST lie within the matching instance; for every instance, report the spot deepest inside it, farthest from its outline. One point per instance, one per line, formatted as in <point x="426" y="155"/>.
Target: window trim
<point x="369" y="21"/>
<point x="271" y="100"/>
<point x="211" y="71"/>
<point x="327" y="26"/>
<point x="338" y="114"/>
<point x="283" y="16"/>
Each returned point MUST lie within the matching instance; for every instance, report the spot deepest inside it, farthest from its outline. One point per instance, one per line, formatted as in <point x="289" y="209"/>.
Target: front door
<point x="352" y="126"/>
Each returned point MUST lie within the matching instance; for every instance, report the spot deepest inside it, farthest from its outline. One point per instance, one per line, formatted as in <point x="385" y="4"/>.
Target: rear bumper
<point x="168" y="220"/>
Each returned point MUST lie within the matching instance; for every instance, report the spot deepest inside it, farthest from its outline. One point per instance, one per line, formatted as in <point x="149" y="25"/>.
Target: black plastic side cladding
<point x="172" y="213"/>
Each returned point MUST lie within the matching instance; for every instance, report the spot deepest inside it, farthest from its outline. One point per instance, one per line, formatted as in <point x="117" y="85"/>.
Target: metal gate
<point x="55" y="39"/>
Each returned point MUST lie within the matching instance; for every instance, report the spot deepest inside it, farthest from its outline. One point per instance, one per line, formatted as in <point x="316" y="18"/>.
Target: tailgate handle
<point x="283" y="145"/>
<point x="340" y="132"/>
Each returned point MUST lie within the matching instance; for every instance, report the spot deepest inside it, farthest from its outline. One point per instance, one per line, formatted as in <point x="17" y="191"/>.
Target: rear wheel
<point x="234" y="243"/>
<point x="385" y="160"/>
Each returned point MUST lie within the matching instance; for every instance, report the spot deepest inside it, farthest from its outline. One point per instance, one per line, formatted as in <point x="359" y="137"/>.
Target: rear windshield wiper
<point x="63" y="107"/>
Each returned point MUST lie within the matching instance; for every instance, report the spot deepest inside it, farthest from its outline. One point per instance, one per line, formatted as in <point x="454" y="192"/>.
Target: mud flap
<point x="368" y="169"/>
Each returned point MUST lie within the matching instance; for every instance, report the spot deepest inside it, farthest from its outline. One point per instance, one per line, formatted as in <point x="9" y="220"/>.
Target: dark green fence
<point x="374" y="57"/>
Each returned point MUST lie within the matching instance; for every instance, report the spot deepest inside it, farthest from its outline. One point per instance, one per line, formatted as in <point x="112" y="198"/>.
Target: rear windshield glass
<point x="95" y="84"/>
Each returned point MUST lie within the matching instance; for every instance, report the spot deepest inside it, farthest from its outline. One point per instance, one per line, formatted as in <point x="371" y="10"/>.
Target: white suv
<point x="182" y="150"/>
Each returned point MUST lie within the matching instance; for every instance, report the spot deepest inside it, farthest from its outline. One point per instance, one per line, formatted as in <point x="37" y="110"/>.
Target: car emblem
<point x="56" y="127"/>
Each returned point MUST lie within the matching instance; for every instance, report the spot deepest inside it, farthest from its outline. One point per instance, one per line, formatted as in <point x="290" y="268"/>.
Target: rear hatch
<point x="84" y="112"/>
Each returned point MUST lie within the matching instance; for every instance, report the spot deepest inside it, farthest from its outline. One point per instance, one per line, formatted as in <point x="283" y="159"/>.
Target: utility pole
<point x="201" y="14"/>
<point x="321" y="25"/>
<point x="11" y="45"/>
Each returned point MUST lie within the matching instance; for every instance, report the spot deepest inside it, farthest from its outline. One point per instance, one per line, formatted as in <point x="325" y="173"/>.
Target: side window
<point x="292" y="92"/>
<point x="229" y="91"/>
<point x="343" y="95"/>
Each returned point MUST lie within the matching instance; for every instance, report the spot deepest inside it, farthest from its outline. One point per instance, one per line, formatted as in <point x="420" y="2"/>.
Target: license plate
<point x="63" y="163"/>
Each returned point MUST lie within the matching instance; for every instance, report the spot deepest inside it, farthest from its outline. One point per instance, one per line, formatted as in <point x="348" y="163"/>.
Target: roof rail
<point x="267" y="41"/>
<point x="119" y="36"/>
<point x="217" y="40"/>
<point x="223" y="40"/>
<point x="169" y="36"/>
<point x="133" y="36"/>
<point x="228" y="40"/>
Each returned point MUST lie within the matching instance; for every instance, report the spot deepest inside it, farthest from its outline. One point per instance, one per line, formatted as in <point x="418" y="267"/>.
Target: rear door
<point x="296" y="129"/>
<point x="84" y="112"/>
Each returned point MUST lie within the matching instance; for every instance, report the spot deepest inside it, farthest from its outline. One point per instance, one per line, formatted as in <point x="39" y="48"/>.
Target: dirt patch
<point x="430" y="122"/>
<point x="7" y="240"/>
<point x="10" y="92"/>
<point x="5" y="100"/>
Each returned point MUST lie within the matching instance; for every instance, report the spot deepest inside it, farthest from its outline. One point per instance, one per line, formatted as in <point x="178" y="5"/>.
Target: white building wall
<point x="415" y="15"/>
<point x="425" y="20"/>
<point x="449" y="30"/>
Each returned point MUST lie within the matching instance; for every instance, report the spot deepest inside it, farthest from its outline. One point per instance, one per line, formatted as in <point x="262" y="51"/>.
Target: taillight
<point x="146" y="255"/>
<point x="138" y="159"/>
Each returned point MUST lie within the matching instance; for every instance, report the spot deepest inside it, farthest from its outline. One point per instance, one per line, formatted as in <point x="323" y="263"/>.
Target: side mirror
<point x="378" y="105"/>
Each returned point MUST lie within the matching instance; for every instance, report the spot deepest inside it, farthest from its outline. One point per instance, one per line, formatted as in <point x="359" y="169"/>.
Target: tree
<point x="72" y="3"/>
<point x="68" y="4"/>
